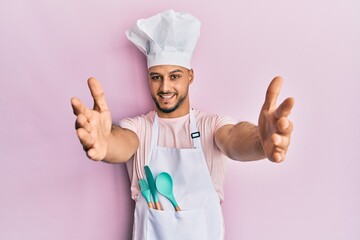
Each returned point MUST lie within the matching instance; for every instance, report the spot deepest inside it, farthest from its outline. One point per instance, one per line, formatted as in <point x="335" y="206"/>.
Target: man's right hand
<point x="93" y="126"/>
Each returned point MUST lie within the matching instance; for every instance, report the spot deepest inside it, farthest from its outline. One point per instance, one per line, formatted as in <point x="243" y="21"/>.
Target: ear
<point x="191" y="76"/>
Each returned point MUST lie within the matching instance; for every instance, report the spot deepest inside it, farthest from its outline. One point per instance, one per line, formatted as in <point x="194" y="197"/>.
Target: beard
<point x="180" y="101"/>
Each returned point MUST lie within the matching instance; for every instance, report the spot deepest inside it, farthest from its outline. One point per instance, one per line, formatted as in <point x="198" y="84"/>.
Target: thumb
<point x="98" y="95"/>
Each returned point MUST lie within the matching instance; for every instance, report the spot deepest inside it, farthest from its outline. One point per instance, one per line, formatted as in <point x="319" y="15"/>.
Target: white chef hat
<point x="168" y="38"/>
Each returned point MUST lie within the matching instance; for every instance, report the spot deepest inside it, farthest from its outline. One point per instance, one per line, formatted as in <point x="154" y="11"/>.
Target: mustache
<point x="161" y="93"/>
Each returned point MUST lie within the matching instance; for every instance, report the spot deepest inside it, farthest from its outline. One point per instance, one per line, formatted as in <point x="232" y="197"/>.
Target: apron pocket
<point x="188" y="224"/>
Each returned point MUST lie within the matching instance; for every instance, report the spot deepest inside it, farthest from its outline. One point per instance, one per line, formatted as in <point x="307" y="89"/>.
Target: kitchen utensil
<point x="151" y="181"/>
<point x="145" y="190"/>
<point x="164" y="185"/>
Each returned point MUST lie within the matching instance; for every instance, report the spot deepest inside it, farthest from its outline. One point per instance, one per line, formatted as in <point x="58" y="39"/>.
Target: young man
<point x="190" y="145"/>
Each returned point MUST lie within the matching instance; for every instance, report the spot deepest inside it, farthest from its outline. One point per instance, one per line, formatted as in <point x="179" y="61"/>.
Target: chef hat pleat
<point x="168" y="38"/>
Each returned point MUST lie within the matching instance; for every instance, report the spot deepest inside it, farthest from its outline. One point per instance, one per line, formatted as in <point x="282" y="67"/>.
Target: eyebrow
<point x="175" y="71"/>
<point x="172" y="72"/>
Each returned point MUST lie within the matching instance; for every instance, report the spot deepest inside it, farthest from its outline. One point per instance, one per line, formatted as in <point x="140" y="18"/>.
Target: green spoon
<point x="164" y="185"/>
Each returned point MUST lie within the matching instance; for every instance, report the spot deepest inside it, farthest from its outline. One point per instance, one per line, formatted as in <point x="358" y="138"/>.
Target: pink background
<point x="48" y="49"/>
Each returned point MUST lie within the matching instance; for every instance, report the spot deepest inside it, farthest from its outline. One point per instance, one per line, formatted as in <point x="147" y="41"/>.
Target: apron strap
<point x="195" y="134"/>
<point x="155" y="132"/>
<point x="154" y="137"/>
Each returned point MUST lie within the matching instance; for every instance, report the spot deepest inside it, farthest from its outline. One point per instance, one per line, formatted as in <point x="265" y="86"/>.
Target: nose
<point x="165" y="85"/>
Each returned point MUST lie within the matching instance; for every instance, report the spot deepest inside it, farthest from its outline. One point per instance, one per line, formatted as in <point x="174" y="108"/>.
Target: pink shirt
<point x="175" y="133"/>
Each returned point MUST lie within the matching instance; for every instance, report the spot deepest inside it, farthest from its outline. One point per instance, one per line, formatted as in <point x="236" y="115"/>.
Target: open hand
<point x="93" y="126"/>
<point x="274" y="126"/>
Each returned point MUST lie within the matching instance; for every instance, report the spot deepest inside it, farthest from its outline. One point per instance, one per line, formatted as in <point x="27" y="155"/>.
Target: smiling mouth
<point x="166" y="95"/>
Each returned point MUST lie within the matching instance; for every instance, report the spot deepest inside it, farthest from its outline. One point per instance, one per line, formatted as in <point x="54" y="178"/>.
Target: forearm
<point x="241" y="142"/>
<point x="122" y="144"/>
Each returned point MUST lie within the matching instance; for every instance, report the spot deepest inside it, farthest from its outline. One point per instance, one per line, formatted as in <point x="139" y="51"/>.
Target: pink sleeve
<point x="222" y="121"/>
<point x="129" y="123"/>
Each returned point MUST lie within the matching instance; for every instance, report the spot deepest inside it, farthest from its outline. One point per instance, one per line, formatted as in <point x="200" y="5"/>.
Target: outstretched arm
<point x="240" y="142"/>
<point x="270" y="139"/>
<point x="100" y="139"/>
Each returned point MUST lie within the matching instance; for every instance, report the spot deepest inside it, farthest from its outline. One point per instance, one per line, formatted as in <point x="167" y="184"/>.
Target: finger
<point x="77" y="106"/>
<point x="284" y="126"/>
<point x="285" y="108"/>
<point x="80" y="108"/>
<point x="98" y="95"/>
<point x="82" y="122"/>
<point x="272" y="93"/>
<point x="92" y="154"/>
<point x="281" y="143"/>
<point x="85" y="138"/>
<point x="277" y="157"/>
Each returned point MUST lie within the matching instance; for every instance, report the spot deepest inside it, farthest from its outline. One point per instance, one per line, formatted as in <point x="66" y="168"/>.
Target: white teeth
<point x="167" y="96"/>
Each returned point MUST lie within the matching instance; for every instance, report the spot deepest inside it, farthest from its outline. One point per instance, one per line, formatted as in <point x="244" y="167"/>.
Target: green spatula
<point x="164" y="185"/>
<point x="151" y="182"/>
<point x="145" y="190"/>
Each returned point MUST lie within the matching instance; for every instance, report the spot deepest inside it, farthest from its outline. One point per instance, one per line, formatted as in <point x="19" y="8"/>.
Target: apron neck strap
<point x="195" y="134"/>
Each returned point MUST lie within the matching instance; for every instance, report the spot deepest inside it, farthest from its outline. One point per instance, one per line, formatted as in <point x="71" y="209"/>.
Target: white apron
<point x="200" y="216"/>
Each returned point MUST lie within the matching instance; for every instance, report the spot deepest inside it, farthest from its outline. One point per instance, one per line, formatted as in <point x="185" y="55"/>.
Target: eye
<point x="175" y="76"/>
<point x="155" y="77"/>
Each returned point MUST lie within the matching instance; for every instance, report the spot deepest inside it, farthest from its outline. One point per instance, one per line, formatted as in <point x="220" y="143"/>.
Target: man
<point x="190" y="145"/>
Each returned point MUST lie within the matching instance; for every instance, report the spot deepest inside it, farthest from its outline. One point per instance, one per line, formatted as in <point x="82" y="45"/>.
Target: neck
<point x="179" y="112"/>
